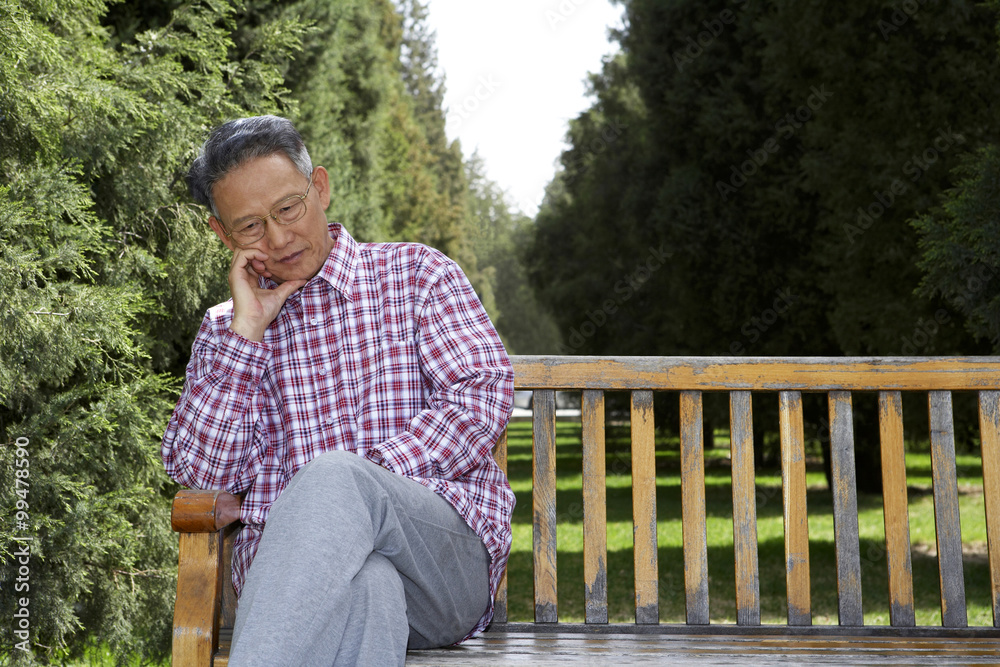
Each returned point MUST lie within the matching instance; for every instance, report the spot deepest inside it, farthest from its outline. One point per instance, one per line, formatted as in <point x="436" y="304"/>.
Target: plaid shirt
<point x="386" y="352"/>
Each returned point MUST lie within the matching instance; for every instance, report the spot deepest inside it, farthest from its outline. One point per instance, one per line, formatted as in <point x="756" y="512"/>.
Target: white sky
<point x="514" y="76"/>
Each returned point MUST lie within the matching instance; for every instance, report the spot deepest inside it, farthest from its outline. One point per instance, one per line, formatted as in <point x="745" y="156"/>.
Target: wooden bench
<point x="205" y="605"/>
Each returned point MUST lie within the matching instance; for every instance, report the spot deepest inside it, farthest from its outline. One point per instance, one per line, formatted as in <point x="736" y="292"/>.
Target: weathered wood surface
<point x="199" y="588"/>
<point x="595" y="511"/>
<point x="201" y="575"/>
<point x="845" y="509"/>
<point x="647" y="605"/>
<point x="694" y="528"/>
<point x="947" y="518"/>
<point x="744" y="510"/>
<point x="796" y="518"/>
<point x="542" y="649"/>
<point x="500" y="601"/>
<point x="895" y="505"/>
<point x="989" y="420"/>
<point x="762" y="373"/>
<point x="543" y="493"/>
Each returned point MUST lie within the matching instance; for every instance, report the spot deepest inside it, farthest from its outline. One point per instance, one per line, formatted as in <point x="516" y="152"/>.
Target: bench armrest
<point x="199" y="517"/>
<point x="201" y="510"/>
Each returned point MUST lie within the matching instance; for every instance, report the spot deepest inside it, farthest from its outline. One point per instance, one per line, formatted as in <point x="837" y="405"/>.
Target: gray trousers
<point x="355" y="564"/>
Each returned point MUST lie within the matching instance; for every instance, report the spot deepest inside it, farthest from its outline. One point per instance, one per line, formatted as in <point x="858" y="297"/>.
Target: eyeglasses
<point x="284" y="212"/>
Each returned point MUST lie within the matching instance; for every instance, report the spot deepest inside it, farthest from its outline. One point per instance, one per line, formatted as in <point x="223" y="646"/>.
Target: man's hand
<point x="255" y="308"/>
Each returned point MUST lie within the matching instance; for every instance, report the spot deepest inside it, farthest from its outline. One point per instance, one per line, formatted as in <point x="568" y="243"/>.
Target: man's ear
<point x="220" y="231"/>
<point x="321" y="181"/>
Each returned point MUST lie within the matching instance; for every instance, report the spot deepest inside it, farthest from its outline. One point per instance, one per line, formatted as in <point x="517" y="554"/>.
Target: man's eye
<point x="249" y="227"/>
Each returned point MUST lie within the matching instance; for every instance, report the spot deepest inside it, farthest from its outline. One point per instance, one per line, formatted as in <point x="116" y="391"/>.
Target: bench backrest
<point x="789" y="378"/>
<point x="691" y="377"/>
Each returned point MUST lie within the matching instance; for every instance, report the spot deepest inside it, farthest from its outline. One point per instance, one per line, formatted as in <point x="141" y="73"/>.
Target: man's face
<point x="295" y="251"/>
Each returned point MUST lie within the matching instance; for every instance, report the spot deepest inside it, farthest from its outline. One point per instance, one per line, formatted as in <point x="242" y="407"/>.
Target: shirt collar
<point x="340" y="265"/>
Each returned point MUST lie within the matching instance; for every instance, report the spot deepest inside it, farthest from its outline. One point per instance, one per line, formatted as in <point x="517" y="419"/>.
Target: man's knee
<point x="325" y="478"/>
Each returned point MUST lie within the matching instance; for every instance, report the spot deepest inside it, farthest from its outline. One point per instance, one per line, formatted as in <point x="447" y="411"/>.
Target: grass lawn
<point x="721" y="562"/>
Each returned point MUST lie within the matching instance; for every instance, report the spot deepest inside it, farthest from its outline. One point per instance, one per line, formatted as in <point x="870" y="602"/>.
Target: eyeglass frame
<point x="270" y="214"/>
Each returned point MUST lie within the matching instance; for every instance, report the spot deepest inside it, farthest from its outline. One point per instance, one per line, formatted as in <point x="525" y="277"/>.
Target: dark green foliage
<point x="106" y="268"/>
<point x="756" y="147"/>
<point x="961" y="256"/>
<point x="104" y="275"/>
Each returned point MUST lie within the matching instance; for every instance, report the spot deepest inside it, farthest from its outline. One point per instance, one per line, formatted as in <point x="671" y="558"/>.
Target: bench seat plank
<point x="503" y="649"/>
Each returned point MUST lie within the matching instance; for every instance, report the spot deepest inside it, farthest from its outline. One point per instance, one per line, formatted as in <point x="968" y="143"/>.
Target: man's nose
<point x="278" y="236"/>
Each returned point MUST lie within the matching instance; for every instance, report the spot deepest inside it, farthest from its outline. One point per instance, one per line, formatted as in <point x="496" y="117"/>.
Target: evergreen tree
<point x="104" y="270"/>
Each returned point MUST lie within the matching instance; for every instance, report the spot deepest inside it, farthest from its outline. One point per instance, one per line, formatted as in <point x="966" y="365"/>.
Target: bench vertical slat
<point x="543" y="492"/>
<point x="595" y="514"/>
<point x="647" y="606"/>
<point x="895" y="509"/>
<point x="199" y="586"/>
<point x="989" y="428"/>
<point x="500" y="602"/>
<point x="693" y="508"/>
<point x="946" y="512"/>
<point x="744" y="509"/>
<point x="845" y="509"/>
<point x="793" y="479"/>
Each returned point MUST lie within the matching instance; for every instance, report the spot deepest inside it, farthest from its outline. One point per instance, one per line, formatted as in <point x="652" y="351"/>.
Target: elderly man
<point x="351" y="393"/>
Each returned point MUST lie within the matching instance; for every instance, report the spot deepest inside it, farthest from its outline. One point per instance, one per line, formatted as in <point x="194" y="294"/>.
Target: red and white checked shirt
<point x="386" y="352"/>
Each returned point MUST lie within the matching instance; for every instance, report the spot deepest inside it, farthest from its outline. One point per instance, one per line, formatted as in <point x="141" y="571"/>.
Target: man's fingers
<point x="289" y="287"/>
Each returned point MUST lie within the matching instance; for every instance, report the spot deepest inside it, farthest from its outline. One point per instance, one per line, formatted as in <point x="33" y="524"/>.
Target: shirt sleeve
<point x="472" y="387"/>
<point x="213" y="439"/>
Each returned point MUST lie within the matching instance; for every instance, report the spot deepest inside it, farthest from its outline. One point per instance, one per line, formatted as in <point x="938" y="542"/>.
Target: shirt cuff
<point x="242" y="359"/>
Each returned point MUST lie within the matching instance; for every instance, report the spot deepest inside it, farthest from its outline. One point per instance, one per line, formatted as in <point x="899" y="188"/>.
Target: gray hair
<point x="236" y="142"/>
